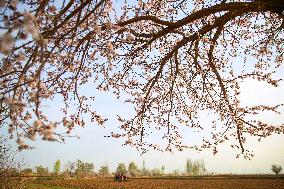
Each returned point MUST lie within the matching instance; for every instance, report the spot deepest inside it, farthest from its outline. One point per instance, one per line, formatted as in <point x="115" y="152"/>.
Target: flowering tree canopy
<point x="174" y="59"/>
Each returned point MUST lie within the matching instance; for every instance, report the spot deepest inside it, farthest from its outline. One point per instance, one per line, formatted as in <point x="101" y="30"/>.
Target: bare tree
<point x="174" y="59"/>
<point x="276" y="169"/>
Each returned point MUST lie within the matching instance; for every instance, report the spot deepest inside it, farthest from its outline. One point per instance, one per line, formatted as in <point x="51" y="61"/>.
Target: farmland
<point x="169" y="183"/>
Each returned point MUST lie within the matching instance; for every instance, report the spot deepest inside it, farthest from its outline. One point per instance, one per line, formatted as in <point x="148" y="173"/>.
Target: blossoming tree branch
<point x="174" y="59"/>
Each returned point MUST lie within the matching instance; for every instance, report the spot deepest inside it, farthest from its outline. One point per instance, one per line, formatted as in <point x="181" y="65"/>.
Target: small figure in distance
<point x="120" y="177"/>
<point x="124" y="177"/>
<point x="116" y="177"/>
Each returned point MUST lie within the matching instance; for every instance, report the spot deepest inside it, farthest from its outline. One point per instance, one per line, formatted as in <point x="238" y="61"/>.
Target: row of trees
<point x="192" y="167"/>
<point x="133" y="170"/>
<point x="80" y="168"/>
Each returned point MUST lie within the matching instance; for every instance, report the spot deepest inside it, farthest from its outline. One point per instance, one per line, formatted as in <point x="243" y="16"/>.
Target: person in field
<point x="120" y="177"/>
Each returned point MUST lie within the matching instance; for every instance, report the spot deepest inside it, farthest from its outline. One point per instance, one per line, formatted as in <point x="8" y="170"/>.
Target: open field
<point x="168" y="183"/>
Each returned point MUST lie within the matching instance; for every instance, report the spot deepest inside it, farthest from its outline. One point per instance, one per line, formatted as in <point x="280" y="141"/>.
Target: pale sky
<point x="94" y="147"/>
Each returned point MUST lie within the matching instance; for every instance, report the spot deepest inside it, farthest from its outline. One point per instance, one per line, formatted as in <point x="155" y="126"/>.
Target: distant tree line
<point x="79" y="168"/>
<point x="133" y="170"/>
